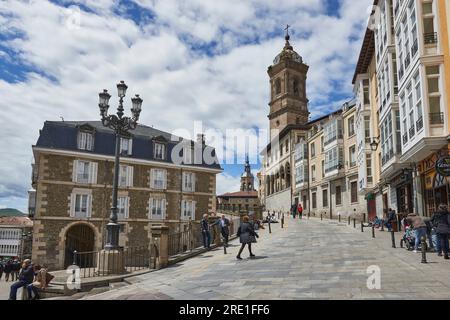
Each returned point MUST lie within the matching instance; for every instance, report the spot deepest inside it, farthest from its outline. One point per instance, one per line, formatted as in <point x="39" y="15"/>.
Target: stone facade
<point x="55" y="188"/>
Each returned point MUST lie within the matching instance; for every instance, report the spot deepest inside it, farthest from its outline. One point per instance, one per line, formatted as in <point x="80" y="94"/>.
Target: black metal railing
<point x="405" y="138"/>
<point x="430" y="38"/>
<point x="332" y="137"/>
<point x="436" y="118"/>
<point x="412" y="131"/>
<point x="127" y="260"/>
<point x="400" y="72"/>
<point x="419" y="123"/>
<point x="180" y="242"/>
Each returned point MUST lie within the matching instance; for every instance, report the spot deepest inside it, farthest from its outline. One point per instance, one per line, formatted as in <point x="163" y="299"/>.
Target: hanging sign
<point x="443" y="166"/>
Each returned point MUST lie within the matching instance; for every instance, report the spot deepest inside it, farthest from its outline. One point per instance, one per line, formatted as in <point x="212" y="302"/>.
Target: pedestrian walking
<point x="15" y="269"/>
<point x="26" y="277"/>
<point x="206" y="234"/>
<point x="247" y="236"/>
<point x="420" y="228"/>
<point x="224" y="225"/>
<point x="441" y="221"/>
<point x="7" y="270"/>
<point x="391" y="218"/>
<point x="300" y="210"/>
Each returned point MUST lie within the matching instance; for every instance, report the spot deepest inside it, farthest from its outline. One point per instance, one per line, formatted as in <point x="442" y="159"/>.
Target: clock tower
<point x="288" y="102"/>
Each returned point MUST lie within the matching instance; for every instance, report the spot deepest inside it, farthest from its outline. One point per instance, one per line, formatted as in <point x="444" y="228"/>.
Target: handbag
<point x="48" y="277"/>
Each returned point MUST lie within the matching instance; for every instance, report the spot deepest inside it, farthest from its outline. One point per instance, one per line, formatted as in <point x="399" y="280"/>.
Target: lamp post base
<point x="112" y="236"/>
<point x="111" y="262"/>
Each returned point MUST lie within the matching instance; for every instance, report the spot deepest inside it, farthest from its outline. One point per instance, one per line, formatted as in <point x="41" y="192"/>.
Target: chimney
<point x="201" y="139"/>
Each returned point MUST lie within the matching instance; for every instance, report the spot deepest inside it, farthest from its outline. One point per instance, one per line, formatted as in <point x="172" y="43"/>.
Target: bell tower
<point x="288" y="102"/>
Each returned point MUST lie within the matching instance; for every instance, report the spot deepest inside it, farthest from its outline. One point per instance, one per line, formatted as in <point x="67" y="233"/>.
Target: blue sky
<point x="196" y="60"/>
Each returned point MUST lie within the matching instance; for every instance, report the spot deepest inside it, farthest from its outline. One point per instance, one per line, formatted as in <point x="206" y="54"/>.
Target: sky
<point x="191" y="61"/>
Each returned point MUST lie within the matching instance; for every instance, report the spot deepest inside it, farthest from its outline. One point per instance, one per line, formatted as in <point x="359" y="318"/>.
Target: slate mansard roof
<point x="63" y="135"/>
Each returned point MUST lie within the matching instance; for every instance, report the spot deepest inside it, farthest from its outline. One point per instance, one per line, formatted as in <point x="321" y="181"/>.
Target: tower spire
<point x="287" y="45"/>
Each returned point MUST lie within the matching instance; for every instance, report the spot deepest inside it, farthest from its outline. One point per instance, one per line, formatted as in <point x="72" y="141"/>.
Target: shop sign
<point x="443" y="166"/>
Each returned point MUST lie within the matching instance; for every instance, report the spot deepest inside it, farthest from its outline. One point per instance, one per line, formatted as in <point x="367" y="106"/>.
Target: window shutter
<point x="194" y="181"/>
<point x="89" y="206"/>
<point x="73" y="198"/>
<point x="164" y="179"/>
<point x="130" y="146"/>
<point x="127" y="207"/>
<point x="194" y="203"/>
<point x="81" y="140"/>
<point x="75" y="170"/>
<point x="150" y="204"/>
<point x="183" y="183"/>
<point x="152" y="175"/>
<point x="183" y="202"/>
<point x="129" y="176"/>
<point x="163" y="208"/>
<point x="93" y="168"/>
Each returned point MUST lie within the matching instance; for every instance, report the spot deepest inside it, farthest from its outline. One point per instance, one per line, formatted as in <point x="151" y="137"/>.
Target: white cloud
<point x="226" y="87"/>
<point x="227" y="183"/>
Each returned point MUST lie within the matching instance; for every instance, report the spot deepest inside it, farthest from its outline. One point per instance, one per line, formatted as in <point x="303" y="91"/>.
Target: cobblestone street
<point x="309" y="259"/>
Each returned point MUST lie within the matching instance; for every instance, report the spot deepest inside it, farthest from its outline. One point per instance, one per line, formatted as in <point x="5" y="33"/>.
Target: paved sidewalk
<point x="310" y="259"/>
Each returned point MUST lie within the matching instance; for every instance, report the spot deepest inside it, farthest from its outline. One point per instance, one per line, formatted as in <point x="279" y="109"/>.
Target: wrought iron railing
<point x="436" y="118"/>
<point x="414" y="48"/>
<point x="412" y="131"/>
<point x="419" y="123"/>
<point x="405" y="138"/>
<point x="430" y="37"/>
<point x="127" y="260"/>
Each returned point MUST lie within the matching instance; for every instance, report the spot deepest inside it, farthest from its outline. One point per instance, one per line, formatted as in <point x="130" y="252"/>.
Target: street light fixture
<point x="374" y="144"/>
<point x="121" y="125"/>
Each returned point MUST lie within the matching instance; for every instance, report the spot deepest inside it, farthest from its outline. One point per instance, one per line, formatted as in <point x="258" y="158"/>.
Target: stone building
<point x="72" y="178"/>
<point x="244" y="201"/>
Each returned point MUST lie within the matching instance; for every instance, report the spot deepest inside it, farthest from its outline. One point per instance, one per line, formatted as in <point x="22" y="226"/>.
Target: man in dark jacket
<point x="441" y="221"/>
<point x="7" y="269"/>
<point x="1" y="268"/>
<point x="206" y="234"/>
<point x="391" y="217"/>
<point x="26" y="277"/>
<point x="15" y="270"/>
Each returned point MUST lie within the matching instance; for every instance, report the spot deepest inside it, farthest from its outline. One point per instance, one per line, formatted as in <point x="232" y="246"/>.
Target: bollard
<point x="393" y="239"/>
<point x="282" y="221"/>
<point x="321" y="217"/>
<point x="424" y="250"/>
<point x="382" y="225"/>
<point x="354" y="223"/>
<point x="362" y="227"/>
<point x="224" y="248"/>
<point x="339" y="219"/>
<point x="364" y="217"/>
<point x="373" y="231"/>
<point x="270" y="228"/>
<point x="348" y="220"/>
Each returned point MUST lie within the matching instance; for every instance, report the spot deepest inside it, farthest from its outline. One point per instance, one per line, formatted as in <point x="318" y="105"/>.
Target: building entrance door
<point x="80" y="238"/>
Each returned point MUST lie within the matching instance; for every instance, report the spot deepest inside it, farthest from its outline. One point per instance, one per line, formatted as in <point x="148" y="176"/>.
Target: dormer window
<point x="85" y="141"/>
<point x="125" y="146"/>
<point x="159" y="151"/>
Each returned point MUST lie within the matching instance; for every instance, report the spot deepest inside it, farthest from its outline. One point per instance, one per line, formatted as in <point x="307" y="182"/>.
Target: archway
<point x="80" y="238"/>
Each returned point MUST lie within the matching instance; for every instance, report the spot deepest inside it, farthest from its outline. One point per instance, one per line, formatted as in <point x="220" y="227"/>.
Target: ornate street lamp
<point x="121" y="125"/>
<point x="374" y="144"/>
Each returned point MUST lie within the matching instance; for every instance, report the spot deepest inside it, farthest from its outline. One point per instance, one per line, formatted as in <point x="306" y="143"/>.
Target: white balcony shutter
<point x="127" y="207"/>
<point x="183" y="204"/>
<point x="81" y="140"/>
<point x="130" y="146"/>
<point x="194" y="203"/>
<point x="93" y="168"/>
<point x="163" y="208"/>
<point x="89" y="206"/>
<point x="75" y="170"/>
<point x="152" y="176"/>
<point x="164" y="179"/>
<point x="73" y="198"/>
<point x="150" y="204"/>
<point x="129" y="176"/>
<point x="183" y="182"/>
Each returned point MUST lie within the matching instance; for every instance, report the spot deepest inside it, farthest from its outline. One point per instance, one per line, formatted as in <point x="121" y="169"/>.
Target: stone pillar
<point x="161" y="234"/>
